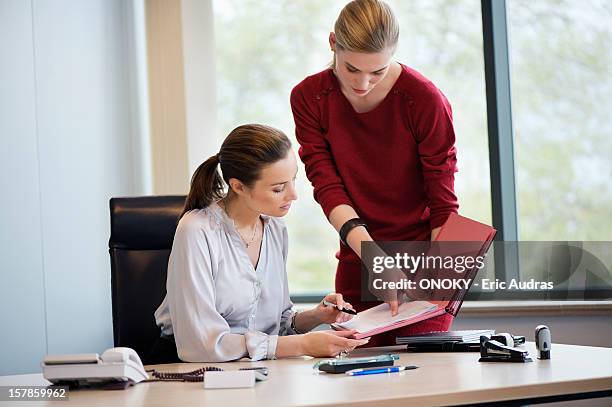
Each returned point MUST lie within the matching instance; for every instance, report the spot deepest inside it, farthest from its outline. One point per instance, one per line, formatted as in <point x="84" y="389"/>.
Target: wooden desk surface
<point x="442" y="379"/>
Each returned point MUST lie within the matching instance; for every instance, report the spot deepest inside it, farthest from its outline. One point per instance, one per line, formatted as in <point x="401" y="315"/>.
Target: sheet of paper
<point x="380" y="315"/>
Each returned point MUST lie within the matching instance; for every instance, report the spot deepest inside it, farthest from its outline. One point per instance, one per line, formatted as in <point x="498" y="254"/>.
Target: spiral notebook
<point x="378" y="319"/>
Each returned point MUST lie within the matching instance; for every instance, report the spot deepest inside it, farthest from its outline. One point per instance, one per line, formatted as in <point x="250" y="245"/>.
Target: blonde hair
<point x="366" y="26"/>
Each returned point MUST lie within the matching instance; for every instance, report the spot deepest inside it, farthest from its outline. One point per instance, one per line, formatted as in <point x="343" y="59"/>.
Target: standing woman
<point x="378" y="144"/>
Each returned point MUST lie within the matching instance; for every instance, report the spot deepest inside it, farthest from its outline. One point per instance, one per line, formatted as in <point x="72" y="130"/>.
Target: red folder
<point x="461" y="229"/>
<point x="457" y="228"/>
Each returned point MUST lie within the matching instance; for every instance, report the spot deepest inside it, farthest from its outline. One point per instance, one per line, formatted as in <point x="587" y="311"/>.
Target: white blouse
<point x="217" y="305"/>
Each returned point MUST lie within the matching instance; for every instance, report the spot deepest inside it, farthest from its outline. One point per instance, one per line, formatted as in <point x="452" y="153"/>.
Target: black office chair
<point x="142" y="231"/>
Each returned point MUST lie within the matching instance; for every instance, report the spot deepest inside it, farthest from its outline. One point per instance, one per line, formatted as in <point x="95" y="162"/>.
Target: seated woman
<point x="227" y="294"/>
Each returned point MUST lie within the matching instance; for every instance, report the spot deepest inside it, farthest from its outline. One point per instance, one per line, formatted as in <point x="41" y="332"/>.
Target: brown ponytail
<point x="243" y="154"/>
<point x="206" y="185"/>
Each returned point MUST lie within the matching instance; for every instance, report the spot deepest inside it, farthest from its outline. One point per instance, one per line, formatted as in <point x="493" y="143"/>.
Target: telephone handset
<point x="115" y="365"/>
<point x="125" y="355"/>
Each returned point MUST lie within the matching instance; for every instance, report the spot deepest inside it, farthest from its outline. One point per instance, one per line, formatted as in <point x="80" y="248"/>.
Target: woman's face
<point x="274" y="191"/>
<point x="360" y="72"/>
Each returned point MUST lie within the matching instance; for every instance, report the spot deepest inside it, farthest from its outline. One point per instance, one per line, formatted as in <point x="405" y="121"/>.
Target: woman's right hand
<point x="389" y="296"/>
<point x="325" y="344"/>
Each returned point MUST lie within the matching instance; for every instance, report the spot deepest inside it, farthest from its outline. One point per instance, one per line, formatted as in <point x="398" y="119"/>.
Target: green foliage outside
<point x="562" y="81"/>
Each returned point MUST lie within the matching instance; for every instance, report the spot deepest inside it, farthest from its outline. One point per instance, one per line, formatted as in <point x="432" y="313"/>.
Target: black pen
<point x="347" y="310"/>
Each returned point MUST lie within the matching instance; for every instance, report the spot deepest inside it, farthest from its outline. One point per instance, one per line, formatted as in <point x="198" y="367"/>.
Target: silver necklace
<point x="250" y="242"/>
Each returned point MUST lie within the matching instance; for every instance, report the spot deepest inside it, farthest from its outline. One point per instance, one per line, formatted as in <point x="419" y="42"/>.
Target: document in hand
<point x="378" y="319"/>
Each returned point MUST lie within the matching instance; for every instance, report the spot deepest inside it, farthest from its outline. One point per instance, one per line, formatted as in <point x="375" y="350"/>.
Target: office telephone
<point x="117" y="368"/>
<point x="120" y="366"/>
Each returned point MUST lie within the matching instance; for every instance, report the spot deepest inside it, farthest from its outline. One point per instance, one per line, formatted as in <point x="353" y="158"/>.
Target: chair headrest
<point x="144" y="223"/>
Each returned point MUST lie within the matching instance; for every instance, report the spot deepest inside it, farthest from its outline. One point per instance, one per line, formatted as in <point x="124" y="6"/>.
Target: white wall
<point x="66" y="147"/>
<point x="200" y="82"/>
<point x="181" y="66"/>
<point x="21" y="265"/>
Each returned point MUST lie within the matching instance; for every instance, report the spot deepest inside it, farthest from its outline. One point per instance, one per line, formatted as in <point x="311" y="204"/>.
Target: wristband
<point x="293" y="328"/>
<point x="348" y="226"/>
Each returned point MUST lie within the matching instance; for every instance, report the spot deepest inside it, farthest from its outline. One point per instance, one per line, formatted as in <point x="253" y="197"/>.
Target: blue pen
<point x="378" y="370"/>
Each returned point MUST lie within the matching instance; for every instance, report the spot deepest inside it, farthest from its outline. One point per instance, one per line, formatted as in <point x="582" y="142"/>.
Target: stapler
<point x="495" y="351"/>
<point x="508" y="339"/>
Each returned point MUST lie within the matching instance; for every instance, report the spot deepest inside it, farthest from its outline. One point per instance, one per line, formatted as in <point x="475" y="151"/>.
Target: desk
<point x="442" y="379"/>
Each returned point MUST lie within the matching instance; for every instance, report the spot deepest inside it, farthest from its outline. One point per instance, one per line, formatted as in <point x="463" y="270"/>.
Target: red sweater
<point x="394" y="165"/>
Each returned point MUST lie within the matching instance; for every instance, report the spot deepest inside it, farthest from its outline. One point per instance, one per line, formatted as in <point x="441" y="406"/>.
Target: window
<point x="263" y="49"/>
<point x="561" y="83"/>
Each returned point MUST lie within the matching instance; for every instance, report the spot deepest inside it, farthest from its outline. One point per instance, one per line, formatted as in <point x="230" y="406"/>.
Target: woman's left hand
<point x="328" y="314"/>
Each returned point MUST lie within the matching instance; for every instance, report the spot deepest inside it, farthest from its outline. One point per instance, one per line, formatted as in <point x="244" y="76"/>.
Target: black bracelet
<point x="348" y="226"/>
<point x="293" y="327"/>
